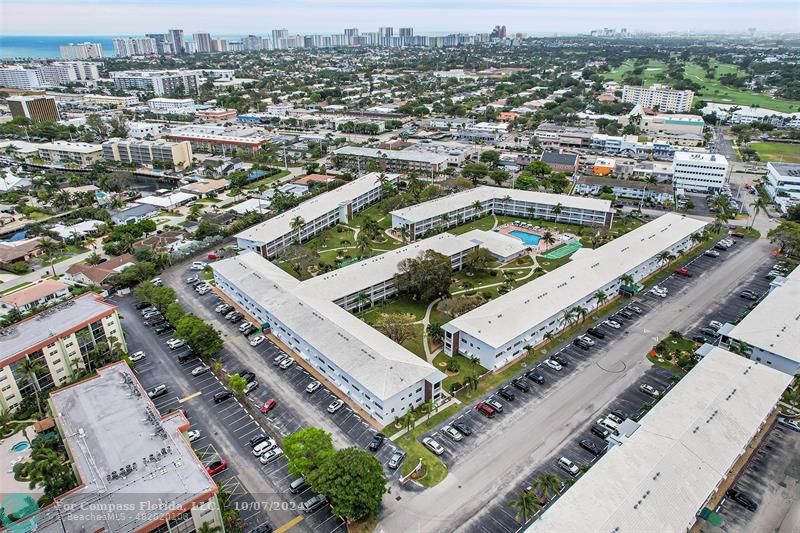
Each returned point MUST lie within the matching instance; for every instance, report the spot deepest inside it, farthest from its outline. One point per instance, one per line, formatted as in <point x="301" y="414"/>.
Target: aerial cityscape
<point x="399" y="267"/>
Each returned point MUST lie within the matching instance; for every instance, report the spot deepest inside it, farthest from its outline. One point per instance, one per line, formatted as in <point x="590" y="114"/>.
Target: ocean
<point x="46" y="46"/>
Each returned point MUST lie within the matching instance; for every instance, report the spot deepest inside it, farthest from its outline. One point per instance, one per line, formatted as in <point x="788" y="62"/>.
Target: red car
<point x="485" y="410"/>
<point x="268" y="406"/>
<point x="213" y="257"/>
<point x="216" y="467"/>
<point x="683" y="272"/>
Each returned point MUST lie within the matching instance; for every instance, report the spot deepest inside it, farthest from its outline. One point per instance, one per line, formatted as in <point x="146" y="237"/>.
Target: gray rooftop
<point x="104" y="438"/>
<point x="28" y="335"/>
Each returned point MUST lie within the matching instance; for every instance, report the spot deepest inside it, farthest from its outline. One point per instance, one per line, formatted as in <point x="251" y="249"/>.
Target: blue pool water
<point x="528" y="238"/>
<point x="20" y="446"/>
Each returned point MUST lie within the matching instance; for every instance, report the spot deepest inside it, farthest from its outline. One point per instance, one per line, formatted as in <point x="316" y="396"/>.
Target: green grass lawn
<point x="787" y="153"/>
<point x="267" y="181"/>
<point x="654" y="68"/>
<point x="435" y="470"/>
<point x="401" y="305"/>
<point x="16" y="287"/>
<point x="467" y="367"/>
<point x="414" y="344"/>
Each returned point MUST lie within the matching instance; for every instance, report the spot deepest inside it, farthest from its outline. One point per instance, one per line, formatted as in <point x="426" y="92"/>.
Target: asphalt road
<point x="530" y="436"/>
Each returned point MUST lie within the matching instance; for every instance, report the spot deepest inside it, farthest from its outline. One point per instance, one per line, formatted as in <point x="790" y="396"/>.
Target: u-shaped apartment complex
<point x="499" y="331"/>
<point x="454" y="210"/>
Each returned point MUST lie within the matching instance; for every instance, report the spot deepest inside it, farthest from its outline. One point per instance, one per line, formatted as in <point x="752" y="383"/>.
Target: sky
<point x="238" y="17"/>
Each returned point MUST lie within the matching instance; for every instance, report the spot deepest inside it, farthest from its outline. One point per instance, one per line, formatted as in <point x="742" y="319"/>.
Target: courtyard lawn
<point x="414" y="344"/>
<point x="435" y="469"/>
<point x="400" y="305"/>
<point x="784" y="152"/>
<point x="466" y="367"/>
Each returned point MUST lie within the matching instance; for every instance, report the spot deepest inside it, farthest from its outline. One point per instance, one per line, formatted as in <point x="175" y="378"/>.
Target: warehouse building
<point x="662" y="475"/>
<point x="58" y="338"/>
<point x="499" y="331"/>
<point x="453" y="210"/>
<point x="321" y="212"/>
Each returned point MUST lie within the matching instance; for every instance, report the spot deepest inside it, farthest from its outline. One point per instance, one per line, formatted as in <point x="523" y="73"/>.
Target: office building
<point x="782" y="183"/>
<point x="135" y="469"/>
<point x="141" y="152"/>
<point x="272" y="236"/>
<point x="501" y="330"/>
<point x="159" y="82"/>
<point x="312" y="319"/>
<point x="218" y="139"/>
<point x="173" y="106"/>
<point x="659" y="97"/>
<point x="35" y="108"/>
<point x="202" y="42"/>
<point x="16" y="77"/>
<point x="62" y="153"/>
<point x="81" y="51"/>
<point x="217" y="115"/>
<point x="699" y="172"/>
<point x="178" y="44"/>
<point x="452" y="210"/>
<point x="770" y="333"/>
<point x="391" y="160"/>
<point x="59" y="339"/>
<point x="135" y="46"/>
<point x="662" y="473"/>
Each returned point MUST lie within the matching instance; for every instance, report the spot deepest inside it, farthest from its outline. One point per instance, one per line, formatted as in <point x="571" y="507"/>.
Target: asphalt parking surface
<point x="225" y="428"/>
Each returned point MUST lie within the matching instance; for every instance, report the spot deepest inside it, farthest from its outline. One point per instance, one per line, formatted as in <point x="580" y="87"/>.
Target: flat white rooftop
<point x="699" y="157"/>
<point x="380" y="268"/>
<point x="509" y="316"/>
<point x="278" y="226"/>
<point x="108" y="423"/>
<point x="499" y="244"/>
<point x="774" y="324"/>
<point x="659" y="478"/>
<point x="400" y="155"/>
<point x="368" y="356"/>
<point x="460" y="200"/>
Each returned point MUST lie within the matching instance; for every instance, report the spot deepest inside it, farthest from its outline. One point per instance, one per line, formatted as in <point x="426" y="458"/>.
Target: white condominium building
<point x="159" y="82"/>
<point x="81" y="51"/>
<point x="16" y="77"/>
<point x="453" y="210"/>
<point x="661" y="96"/>
<point x="783" y="183"/>
<point x="312" y="319"/>
<point x="499" y="331"/>
<point x="174" y="106"/>
<point x="142" y="152"/>
<point x="699" y="172"/>
<point x="323" y="211"/>
<point x="135" y="46"/>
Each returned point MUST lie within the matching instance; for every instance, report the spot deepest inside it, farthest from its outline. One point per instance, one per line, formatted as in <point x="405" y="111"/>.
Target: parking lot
<point x="772" y="480"/>
<point x="260" y="492"/>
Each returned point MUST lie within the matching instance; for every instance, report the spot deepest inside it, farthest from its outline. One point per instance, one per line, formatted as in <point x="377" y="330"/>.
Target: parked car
<point x="313" y="386"/>
<point x="520" y="384"/>
<point x="787" y="423"/>
<point x="600" y="430"/>
<point x="286" y="363"/>
<point x="236" y="318"/>
<point x="624" y="313"/>
<point x="714" y="324"/>
<point x="223" y="308"/>
<point x="612" y="323"/>
<point x="710" y="332"/>
<point x="635" y="308"/>
<point x="506" y="393"/>
<point x="162" y="328"/>
<point x="198" y="265"/>
<point x="204" y="290"/>
<point x="258" y="339"/>
<point x="552" y="364"/>
<point x="174" y="344"/>
<point x="568" y="466"/>
<point x="193" y="435"/>
<point x="247" y="375"/>
<point x="433" y="446"/>
<point x="376" y="442"/>
<point x="452" y="433"/>
<point x="158" y="390"/>
<point x="749" y="295"/>
<point x="314" y="503"/>
<point x="396" y="459"/>
<point x="280" y="358"/>
<point x="257" y="439"/>
<point x="244" y="325"/>
<point x="198" y="370"/>
<point x="582" y="344"/>
<point x="494" y="404"/>
<point x="683" y="271"/>
<point x="534" y="376"/>
<point x="191" y="280"/>
<point x="699" y="338"/>
<point x="298" y="485"/>
<point x="560" y="359"/>
<point x="216" y="467"/>
<point x="222" y="396"/>
<point x="485" y="410"/>
<point x="742" y="499"/>
<point x="157" y="282"/>
<point x="137" y="356"/>
<point x="649" y="390"/>
<point x="268" y="406"/>
<point x="596" y="333"/>
<point x="271" y="455"/>
<point x="592" y="447"/>
<point x="711" y="253"/>
<point x="463" y="428"/>
<point x="142" y="305"/>
<point x="335" y="405"/>
<point x="250" y="387"/>
<point x="248" y="330"/>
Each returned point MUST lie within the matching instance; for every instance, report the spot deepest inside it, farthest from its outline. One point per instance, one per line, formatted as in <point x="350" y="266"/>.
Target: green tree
<point x="353" y="481"/>
<point x="201" y="337"/>
<point x="307" y="449"/>
<point x="478" y="260"/>
<point x="539" y="169"/>
<point x="162" y="297"/>
<point x="490" y="157"/>
<point x="237" y="384"/>
<point x="31" y="368"/>
<point x="787" y="236"/>
<point x="426" y="277"/>
<point x="174" y="313"/>
<point x="526" y="505"/>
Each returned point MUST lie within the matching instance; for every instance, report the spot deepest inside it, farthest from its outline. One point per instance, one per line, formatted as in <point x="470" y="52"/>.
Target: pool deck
<point x="539" y="248"/>
<point x="9" y="458"/>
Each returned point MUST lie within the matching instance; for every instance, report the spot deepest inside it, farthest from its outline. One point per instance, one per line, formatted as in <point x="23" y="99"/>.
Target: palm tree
<point x="697" y="238"/>
<point x="363" y="243"/>
<point x="567" y="317"/>
<point x="581" y="312"/>
<point x="30" y="368"/>
<point x="548" y="484"/>
<point x="525" y="504"/>
<point x="410" y="418"/>
<point x="404" y="232"/>
<point x="5" y="421"/>
<point x="297" y="224"/>
<point x="557" y="210"/>
<point x="627" y="280"/>
<point x="361" y="299"/>
<point x="477" y="207"/>
<point x="471" y="382"/>
<point x="601" y="298"/>
<point x="444" y="220"/>
<point x="206" y="528"/>
<point x="548" y="336"/>
<point x="757" y="204"/>
<point x="548" y="238"/>
<point x="663" y="257"/>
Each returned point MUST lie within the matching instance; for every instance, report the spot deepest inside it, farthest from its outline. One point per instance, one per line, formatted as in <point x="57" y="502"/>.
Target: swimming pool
<point x="20" y="446"/>
<point x="530" y="239"/>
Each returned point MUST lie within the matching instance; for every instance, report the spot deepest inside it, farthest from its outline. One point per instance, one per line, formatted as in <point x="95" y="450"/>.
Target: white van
<point x="568" y="466"/>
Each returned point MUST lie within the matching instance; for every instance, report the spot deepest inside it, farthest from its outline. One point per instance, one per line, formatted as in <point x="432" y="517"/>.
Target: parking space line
<point x="187" y="398"/>
<point x="289" y="525"/>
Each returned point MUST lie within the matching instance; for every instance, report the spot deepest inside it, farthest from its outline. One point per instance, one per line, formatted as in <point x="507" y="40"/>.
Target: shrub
<point x="18" y="268"/>
<point x="487" y="295"/>
<point x="452" y="365"/>
<point x="454" y="386"/>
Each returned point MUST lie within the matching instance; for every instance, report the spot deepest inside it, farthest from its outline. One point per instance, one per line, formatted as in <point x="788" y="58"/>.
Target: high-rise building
<point x="35" y="108"/>
<point x="406" y="36"/>
<point x="159" y="82"/>
<point x="16" y="77"/>
<point x="252" y="42"/>
<point x="277" y="35"/>
<point x="178" y="44"/>
<point x="659" y="96"/>
<point x="219" y="45"/>
<point x="385" y="34"/>
<point x="202" y="41"/>
<point x="81" y="51"/>
<point x="135" y="46"/>
<point x="351" y="35"/>
<point x="161" y="40"/>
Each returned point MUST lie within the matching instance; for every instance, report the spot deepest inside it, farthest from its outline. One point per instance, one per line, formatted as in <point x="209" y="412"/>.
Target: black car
<point x="600" y="431"/>
<point x="580" y="343"/>
<point x="162" y="328"/>
<point x="710" y="333"/>
<point x="749" y="295"/>
<point x="591" y="447"/>
<point x="561" y="360"/>
<point x="222" y="396"/>
<point x="742" y="499"/>
<point x="377" y="442"/>
<point x="506" y="393"/>
<point x="520" y="384"/>
<point x="156" y="321"/>
<point x="263" y="528"/>
<point x="235" y="319"/>
<point x="258" y="439"/>
<point x="463" y="428"/>
<point x="596" y="333"/>
<point x="535" y="376"/>
<point x="248" y="376"/>
<point x="624" y="312"/>
<point x="699" y="338"/>
<point x="142" y="305"/>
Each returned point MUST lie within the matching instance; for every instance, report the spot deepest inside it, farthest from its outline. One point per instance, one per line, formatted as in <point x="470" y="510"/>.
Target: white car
<point x="656" y="292"/>
<point x="271" y="455"/>
<point x="136" y="356"/>
<point x="174" y="344"/>
<point x="158" y="282"/>
<point x="220" y="307"/>
<point x="202" y="369"/>
<point x="649" y="390"/>
<point x="258" y="339"/>
<point x="250" y="387"/>
<point x="568" y="466"/>
<point x="193" y="435"/>
<point x="452" y="433"/>
<point x="286" y="363"/>
<point x="198" y="265"/>
<point x="191" y="280"/>
<point x="715" y="324"/>
<point x="335" y="406"/>
<point x="612" y="323"/>
<point x="313" y="386"/>
<point x="433" y="446"/>
<point x="203" y="290"/>
<point x="553" y="364"/>
<point x="587" y="339"/>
